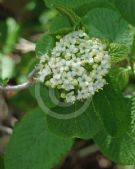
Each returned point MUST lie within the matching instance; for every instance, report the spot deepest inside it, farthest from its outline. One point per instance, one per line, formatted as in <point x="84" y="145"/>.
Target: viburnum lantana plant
<point x="86" y="59"/>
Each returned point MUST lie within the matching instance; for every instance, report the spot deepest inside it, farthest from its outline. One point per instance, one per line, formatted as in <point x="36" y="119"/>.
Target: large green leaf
<point x="119" y="149"/>
<point x="108" y="24"/>
<point x="127" y="9"/>
<point x="33" y="146"/>
<point x="111" y="107"/>
<point x="84" y="8"/>
<point x="44" y="45"/>
<point x="107" y="105"/>
<point x="77" y="120"/>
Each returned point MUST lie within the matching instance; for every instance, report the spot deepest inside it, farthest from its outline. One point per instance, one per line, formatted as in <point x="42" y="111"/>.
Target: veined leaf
<point x="33" y="146"/>
<point x="76" y="120"/>
<point x="127" y="9"/>
<point x="118" y="52"/>
<point x="120" y="149"/>
<point x="107" y="106"/>
<point x="101" y="23"/>
<point x="111" y="107"/>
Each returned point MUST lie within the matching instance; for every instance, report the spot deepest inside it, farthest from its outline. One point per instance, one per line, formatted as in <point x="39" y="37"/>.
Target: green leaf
<point x="66" y="3"/>
<point x="4" y="82"/>
<point x="118" y="52"/>
<point x="127" y="9"/>
<point x="108" y="106"/>
<point x="44" y="45"/>
<point x="101" y="23"/>
<point x="33" y="146"/>
<point x="119" y="77"/>
<point x="111" y="107"/>
<point x="12" y="35"/>
<point x="118" y="149"/>
<point x="76" y="120"/>
<point x="81" y="7"/>
<point x="60" y="25"/>
<point x="88" y="5"/>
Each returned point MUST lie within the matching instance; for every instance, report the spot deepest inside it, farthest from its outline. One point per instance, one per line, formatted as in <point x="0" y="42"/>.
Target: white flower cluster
<point x="76" y="66"/>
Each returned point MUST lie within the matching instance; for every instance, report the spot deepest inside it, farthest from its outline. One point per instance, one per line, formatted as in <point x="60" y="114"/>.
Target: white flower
<point x="70" y="97"/>
<point x="76" y="66"/>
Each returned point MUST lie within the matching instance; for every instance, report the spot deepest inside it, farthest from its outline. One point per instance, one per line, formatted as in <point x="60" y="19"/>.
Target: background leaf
<point x="79" y="6"/>
<point x="3" y="33"/>
<point x="33" y="146"/>
<point x="59" y="25"/>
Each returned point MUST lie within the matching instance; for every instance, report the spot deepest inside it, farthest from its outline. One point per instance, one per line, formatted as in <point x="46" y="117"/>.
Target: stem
<point x="22" y="86"/>
<point x="6" y="129"/>
<point x="88" y="151"/>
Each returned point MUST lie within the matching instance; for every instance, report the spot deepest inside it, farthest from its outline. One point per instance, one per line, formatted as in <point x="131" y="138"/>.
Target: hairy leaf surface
<point x="33" y="146"/>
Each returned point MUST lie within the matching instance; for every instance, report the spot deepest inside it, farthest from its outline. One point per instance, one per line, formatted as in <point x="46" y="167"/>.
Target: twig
<point x="25" y="46"/>
<point x="22" y="86"/>
<point x="87" y="151"/>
